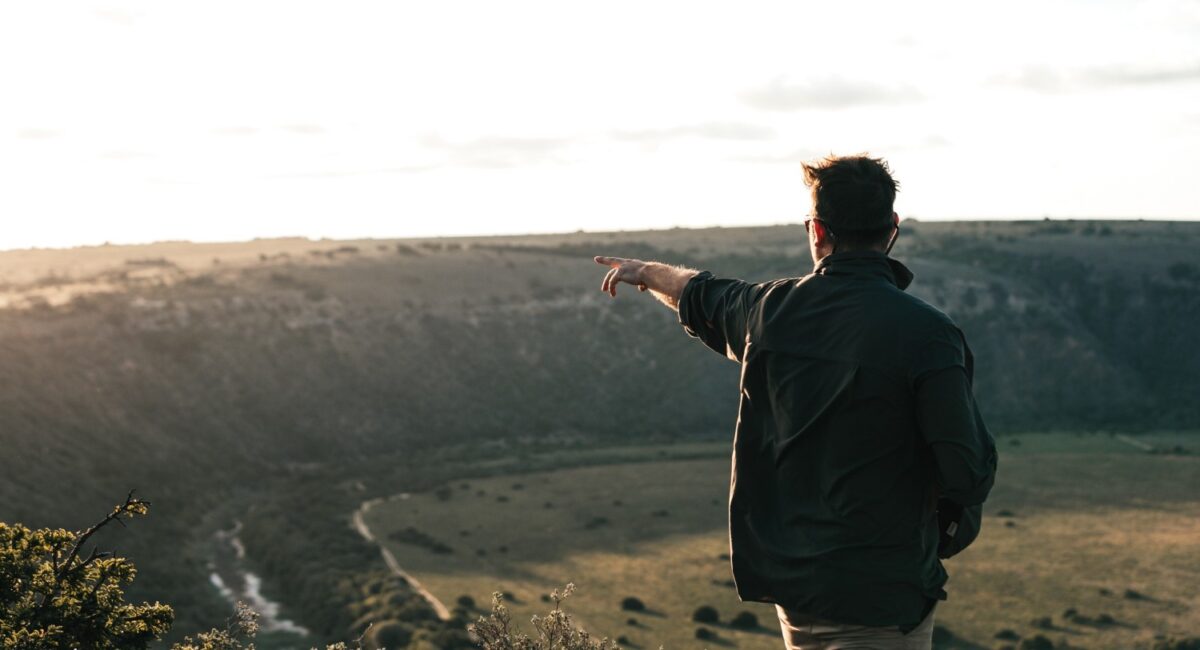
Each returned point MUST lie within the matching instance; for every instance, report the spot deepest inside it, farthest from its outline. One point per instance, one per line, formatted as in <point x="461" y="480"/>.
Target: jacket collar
<point x="866" y="263"/>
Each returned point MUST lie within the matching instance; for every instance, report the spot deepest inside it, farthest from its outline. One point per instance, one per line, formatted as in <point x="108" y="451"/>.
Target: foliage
<point x="633" y="604"/>
<point x="243" y="626"/>
<point x="555" y="631"/>
<point x="744" y="621"/>
<point x="238" y="634"/>
<point x="705" y="614"/>
<point x="1038" y="642"/>
<point x="56" y="594"/>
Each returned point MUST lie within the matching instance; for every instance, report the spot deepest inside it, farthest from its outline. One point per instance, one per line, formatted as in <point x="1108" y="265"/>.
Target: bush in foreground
<point x="555" y="631"/>
<point x="56" y="594"/>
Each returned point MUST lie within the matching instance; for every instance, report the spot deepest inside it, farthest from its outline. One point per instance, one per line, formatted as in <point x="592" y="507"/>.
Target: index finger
<point x="608" y="261"/>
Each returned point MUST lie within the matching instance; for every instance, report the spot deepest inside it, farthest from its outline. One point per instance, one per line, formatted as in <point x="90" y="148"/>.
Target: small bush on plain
<point x="631" y="604"/>
<point x="744" y="621"/>
<point x="706" y="614"/>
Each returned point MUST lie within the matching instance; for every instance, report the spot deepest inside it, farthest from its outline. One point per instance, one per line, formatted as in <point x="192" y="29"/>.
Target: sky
<point x="131" y="122"/>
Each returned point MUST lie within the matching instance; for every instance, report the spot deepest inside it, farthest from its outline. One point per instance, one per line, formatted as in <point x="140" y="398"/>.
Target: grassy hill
<point x="280" y="382"/>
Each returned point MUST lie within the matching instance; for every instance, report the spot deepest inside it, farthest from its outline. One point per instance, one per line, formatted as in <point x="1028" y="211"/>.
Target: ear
<point x="820" y="233"/>
<point x="895" y="220"/>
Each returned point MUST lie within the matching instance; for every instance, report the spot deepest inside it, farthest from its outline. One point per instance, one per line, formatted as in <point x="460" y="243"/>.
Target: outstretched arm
<point x="666" y="282"/>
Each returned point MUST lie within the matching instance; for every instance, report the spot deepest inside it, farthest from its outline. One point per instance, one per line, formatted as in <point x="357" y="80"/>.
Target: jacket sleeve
<point x="964" y="452"/>
<point x="717" y="311"/>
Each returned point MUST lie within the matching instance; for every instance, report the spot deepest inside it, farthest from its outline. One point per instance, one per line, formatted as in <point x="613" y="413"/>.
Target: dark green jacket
<point x="856" y="414"/>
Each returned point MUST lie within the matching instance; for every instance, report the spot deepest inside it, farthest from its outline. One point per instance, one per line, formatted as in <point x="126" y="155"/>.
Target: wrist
<point x="641" y="274"/>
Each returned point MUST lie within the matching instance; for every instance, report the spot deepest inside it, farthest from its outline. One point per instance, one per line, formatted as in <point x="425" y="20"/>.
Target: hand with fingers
<point x="621" y="270"/>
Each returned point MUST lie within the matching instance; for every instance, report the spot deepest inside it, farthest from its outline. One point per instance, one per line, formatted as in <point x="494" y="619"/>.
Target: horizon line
<point x="552" y="233"/>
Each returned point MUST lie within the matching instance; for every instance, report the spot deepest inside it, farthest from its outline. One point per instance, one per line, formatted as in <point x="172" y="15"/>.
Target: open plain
<point x="1089" y="540"/>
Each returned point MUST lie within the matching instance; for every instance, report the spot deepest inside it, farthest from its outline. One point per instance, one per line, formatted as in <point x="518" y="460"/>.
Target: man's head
<point x="852" y="205"/>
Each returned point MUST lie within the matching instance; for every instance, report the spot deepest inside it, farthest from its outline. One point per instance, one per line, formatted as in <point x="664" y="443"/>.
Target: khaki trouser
<point x="802" y="632"/>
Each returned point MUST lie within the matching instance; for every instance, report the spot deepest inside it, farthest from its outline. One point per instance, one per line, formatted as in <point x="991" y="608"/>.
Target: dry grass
<point x="1090" y="513"/>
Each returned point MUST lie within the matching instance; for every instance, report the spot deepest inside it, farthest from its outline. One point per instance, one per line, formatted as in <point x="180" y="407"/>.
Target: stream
<point x="230" y="577"/>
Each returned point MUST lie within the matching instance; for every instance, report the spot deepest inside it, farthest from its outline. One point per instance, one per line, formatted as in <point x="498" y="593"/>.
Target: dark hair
<point x="853" y="196"/>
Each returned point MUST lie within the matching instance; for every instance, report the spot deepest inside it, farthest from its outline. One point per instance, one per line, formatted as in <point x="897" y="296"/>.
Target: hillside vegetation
<point x="281" y="382"/>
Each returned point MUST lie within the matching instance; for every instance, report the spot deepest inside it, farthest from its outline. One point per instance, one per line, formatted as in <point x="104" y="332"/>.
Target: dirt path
<point x="360" y="524"/>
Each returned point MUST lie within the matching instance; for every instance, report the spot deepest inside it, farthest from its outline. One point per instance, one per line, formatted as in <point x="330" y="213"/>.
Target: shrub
<point x="466" y="601"/>
<point x="391" y="634"/>
<point x="554" y="631"/>
<point x="705" y="634"/>
<point x="1038" y="642"/>
<point x="706" y="614"/>
<point x="56" y="596"/>
<point x="744" y="621"/>
<point x="631" y="604"/>
<point x="1183" y="272"/>
<point x="1191" y="643"/>
<point x="1007" y="635"/>
<point x="417" y="538"/>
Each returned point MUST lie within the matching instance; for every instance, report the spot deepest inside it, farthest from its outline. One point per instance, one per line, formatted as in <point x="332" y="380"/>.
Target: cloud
<point x="117" y="16"/>
<point x="405" y="169"/>
<point x="236" y="130"/>
<point x="1125" y="76"/>
<point x="803" y="155"/>
<point x="34" y="133"/>
<point x="793" y="158"/>
<point x="305" y="129"/>
<point x="125" y="154"/>
<point x="828" y="93"/>
<point x="1050" y="80"/>
<point x="711" y="130"/>
<point x="499" y="152"/>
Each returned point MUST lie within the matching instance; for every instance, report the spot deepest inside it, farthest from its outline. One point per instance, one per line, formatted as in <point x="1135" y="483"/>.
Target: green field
<point x="1074" y="522"/>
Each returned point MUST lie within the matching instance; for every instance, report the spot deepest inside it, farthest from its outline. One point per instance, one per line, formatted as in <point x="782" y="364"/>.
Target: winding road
<point x="360" y="524"/>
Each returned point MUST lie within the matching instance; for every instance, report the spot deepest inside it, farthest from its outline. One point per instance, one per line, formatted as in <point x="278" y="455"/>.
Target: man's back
<point x="859" y="454"/>
<point x="855" y="412"/>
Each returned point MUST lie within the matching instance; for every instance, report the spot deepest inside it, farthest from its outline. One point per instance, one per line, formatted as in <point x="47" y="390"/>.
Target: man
<point x="857" y="429"/>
